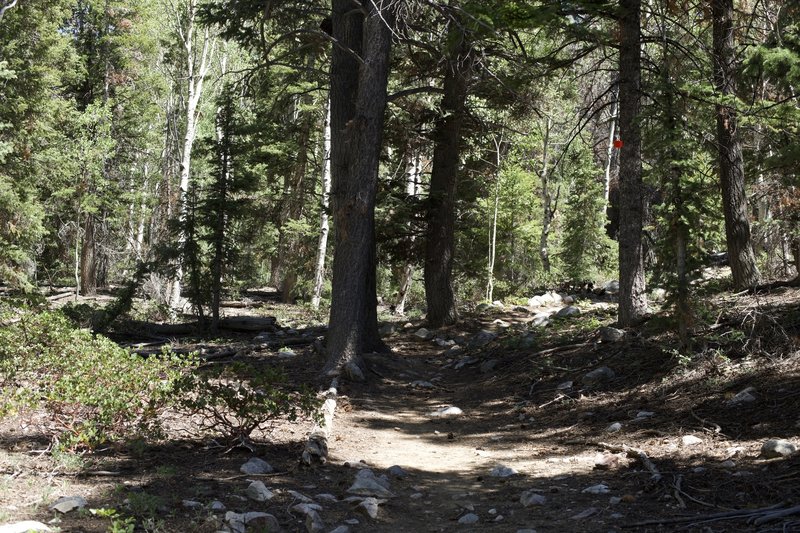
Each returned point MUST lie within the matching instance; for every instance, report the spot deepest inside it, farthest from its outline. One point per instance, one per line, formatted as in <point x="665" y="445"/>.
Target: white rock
<point x="370" y="507"/>
<point x="238" y="523"/>
<point x="446" y="412"/>
<point x="286" y="354"/>
<point x="469" y="518"/>
<point x="325" y="497"/>
<point x="614" y="500"/>
<point x="352" y="521"/>
<point x="565" y="385"/>
<point x="608" y="334"/>
<point x="259" y="492"/>
<point x="367" y="484"/>
<point x="420" y="384"/>
<point x="68" y="503"/>
<point x="217" y="505"/>
<point x="612" y="287"/>
<point x="598" y="375"/>
<point x="481" y="339"/>
<point x="777" y="448"/>
<point x="743" y="397"/>
<point x="191" y="504"/>
<point x="536" y="301"/>
<point x="645" y="414"/>
<point x="256" y="466"/>
<point x="397" y="471"/>
<point x="306" y="508"/>
<point x="691" y="440"/>
<point x="424" y="334"/>
<point x="601" y="488"/>
<point x="24" y="527"/>
<point x="341" y="529"/>
<point x="503" y="471"/>
<point x="613" y="428"/>
<point x="530" y="497"/>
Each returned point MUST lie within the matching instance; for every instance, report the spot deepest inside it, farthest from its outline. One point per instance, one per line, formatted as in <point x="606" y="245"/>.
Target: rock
<point x="446" y="412"/>
<point x="367" y="484"/>
<point x="259" y="492"/>
<point x="469" y="518"/>
<point x="608" y="334"/>
<point x="642" y="415"/>
<point x="424" y="334"/>
<point x="352" y="521"/>
<point x="591" y="511"/>
<point x="568" y="311"/>
<point x="742" y="398"/>
<point x="24" y="527"/>
<point x="536" y="301"/>
<point x="598" y="375"/>
<point x="314" y="522"/>
<point x="300" y="497"/>
<point x="658" y="295"/>
<point x="488" y="366"/>
<point x="727" y="464"/>
<point x="325" y="497"/>
<point x="600" y="488"/>
<point x="483" y="307"/>
<point x="191" y="504"/>
<point x="252" y="521"/>
<point x="569" y="300"/>
<point x="217" y="506"/>
<point x="556" y="297"/>
<point x="286" y="354"/>
<point x="420" y="384"/>
<point x="613" y="428"/>
<point x="370" y="507"/>
<point x="256" y="466"/>
<point x="354" y="372"/>
<point x="482" y="339"/>
<point x="498" y="304"/>
<point x="444" y="343"/>
<point x="565" y="385"/>
<point x="530" y="497"/>
<point x="503" y="471"/>
<point x="341" y="529"/>
<point x="501" y="324"/>
<point x="387" y="330"/>
<point x="540" y="321"/>
<point x="68" y="503"/>
<point x="520" y="309"/>
<point x="777" y="448"/>
<point x="397" y="472"/>
<point x="453" y="351"/>
<point x="691" y="440"/>
<point x="527" y="341"/>
<point x="612" y="287"/>
<point x="464" y="362"/>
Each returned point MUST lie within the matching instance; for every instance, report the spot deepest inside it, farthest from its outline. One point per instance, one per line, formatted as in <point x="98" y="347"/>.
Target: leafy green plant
<point x="93" y="390"/>
<point x="238" y="400"/>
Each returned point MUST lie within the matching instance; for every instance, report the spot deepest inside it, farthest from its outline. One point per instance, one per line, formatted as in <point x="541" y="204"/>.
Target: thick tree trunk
<point x="633" y="200"/>
<point x="357" y="140"/>
<point x="324" y="228"/>
<point x="731" y="165"/>
<point x="88" y="285"/>
<point x="441" y="213"/>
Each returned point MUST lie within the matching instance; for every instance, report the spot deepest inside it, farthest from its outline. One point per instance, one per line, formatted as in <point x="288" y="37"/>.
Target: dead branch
<point x="634" y="453"/>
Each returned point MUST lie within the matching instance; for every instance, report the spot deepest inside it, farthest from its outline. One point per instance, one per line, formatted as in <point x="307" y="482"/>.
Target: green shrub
<point x="237" y="400"/>
<point x="92" y="390"/>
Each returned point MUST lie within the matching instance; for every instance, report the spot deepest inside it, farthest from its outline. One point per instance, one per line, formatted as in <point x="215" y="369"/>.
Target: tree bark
<point x="441" y="213"/>
<point x="88" y="285"/>
<point x="548" y="206"/>
<point x="356" y="146"/>
<point x="633" y="201"/>
<point x="731" y="164"/>
<point x="413" y="180"/>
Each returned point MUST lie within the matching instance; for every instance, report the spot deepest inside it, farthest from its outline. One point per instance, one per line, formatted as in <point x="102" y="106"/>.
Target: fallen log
<point x="242" y="324"/>
<point x="316" y="448"/>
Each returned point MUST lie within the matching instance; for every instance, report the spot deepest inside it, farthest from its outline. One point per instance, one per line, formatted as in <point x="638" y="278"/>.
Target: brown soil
<point x="514" y="415"/>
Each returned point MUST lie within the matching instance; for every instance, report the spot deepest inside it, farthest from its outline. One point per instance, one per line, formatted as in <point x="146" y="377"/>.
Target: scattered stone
<point x="256" y="466"/>
<point x="217" y="506"/>
<point x="527" y="341"/>
<point x="612" y="287"/>
<point x="608" y="334"/>
<point x="569" y="300"/>
<point x="300" y="497"/>
<point x="743" y="397"/>
<point x="325" y="497"/>
<point x="24" y="527"/>
<point x="424" y="334"/>
<point x="454" y="351"/>
<point x="358" y="464"/>
<point x="691" y="440"/>
<point x="613" y="428"/>
<point x="191" y="504"/>
<point x="420" y="384"/>
<point x="341" y="529"/>
<point x="370" y="507"/>
<point x="397" y="472"/>
<point x="483" y="307"/>
<point x="387" y="329"/>
<point x="68" y="503"/>
<point x="540" y="321"/>
<point x="446" y="412"/>
<point x="286" y="354"/>
<point x="314" y="522"/>
<point x="253" y="521"/>
<point x="503" y="471"/>
<point x="482" y="339"/>
<point x="259" y="492"/>
<point x="536" y="301"/>
<point x="488" y="366"/>
<point x="469" y="518"/>
<point x="354" y="372"/>
<point x="417" y="496"/>
<point x="600" y="488"/>
<point x="699" y="469"/>
<point x="464" y="362"/>
<point x="727" y="464"/>
<point x="565" y="385"/>
<point x="610" y="461"/>
<point x="591" y="511"/>
<point x="526" y="531"/>
<point x="520" y="309"/>
<point x="501" y="323"/>
<point x="492" y="511"/>
<point x="568" y="311"/>
<point x="498" y="304"/>
<point x="530" y="497"/>
<point x="352" y="521"/>
<point x="614" y="500"/>
<point x="641" y="415"/>
<point x="444" y="343"/>
<point x="368" y="484"/>
<point x="598" y="375"/>
<point x="777" y="448"/>
<point x="658" y="295"/>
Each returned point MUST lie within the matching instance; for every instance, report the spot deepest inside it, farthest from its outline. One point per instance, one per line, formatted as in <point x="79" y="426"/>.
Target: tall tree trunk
<point x="610" y="152"/>
<point x="196" y="75"/>
<point x="358" y="127"/>
<point x="413" y="180"/>
<point x="441" y="212"/>
<point x="224" y="176"/>
<point x="731" y="165"/>
<point x="493" y="229"/>
<point x="88" y="285"/>
<point x="548" y="207"/>
<point x="324" y="228"/>
<point x="633" y="201"/>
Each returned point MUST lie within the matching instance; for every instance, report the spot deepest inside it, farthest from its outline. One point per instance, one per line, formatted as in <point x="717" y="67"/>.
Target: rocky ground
<point x="523" y="418"/>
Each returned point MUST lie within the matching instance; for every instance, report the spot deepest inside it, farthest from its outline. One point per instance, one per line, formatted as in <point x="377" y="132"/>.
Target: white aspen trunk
<point x="324" y="226"/>
<point x="195" y="79"/>
<point x="493" y="237"/>
<point x="413" y="180"/>
<point x="610" y="154"/>
<point x="548" y="211"/>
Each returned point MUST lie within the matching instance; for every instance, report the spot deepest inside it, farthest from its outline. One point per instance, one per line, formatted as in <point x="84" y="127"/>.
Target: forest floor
<point x="536" y="446"/>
